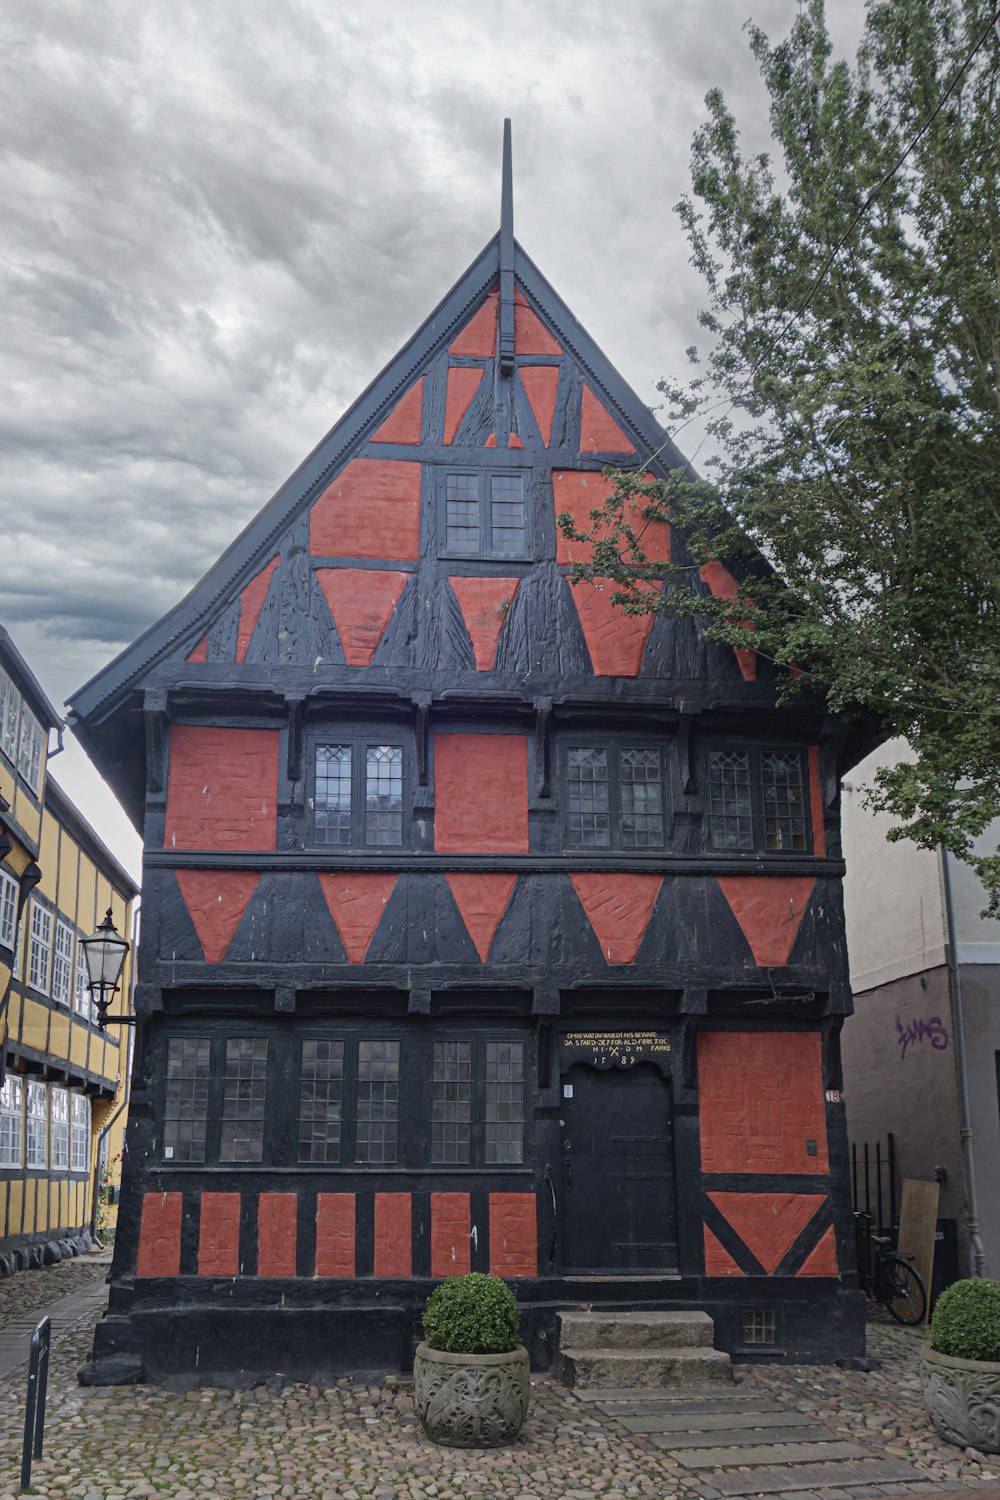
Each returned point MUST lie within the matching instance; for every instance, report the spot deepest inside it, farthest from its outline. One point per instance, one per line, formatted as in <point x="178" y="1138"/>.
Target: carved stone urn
<point x="962" y="1399"/>
<point x="471" y="1400"/>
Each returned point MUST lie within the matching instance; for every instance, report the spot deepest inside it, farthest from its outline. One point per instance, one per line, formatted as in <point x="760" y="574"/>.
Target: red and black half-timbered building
<point x="484" y="926"/>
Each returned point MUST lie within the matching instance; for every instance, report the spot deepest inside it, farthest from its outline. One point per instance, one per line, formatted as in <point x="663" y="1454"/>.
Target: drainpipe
<point x="958" y="1031"/>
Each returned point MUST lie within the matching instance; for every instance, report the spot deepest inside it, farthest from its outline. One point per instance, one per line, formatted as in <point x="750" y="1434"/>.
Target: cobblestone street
<point x="356" y="1441"/>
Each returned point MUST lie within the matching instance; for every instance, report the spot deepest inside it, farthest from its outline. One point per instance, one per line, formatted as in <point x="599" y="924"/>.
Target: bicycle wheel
<point x="902" y="1291"/>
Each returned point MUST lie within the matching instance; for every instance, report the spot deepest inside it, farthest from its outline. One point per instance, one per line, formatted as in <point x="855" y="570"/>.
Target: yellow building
<point x="63" y="1081"/>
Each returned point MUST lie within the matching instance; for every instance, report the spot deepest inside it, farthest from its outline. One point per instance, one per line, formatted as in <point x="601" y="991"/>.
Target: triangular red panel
<point x="823" y="1260"/>
<point x="463" y="383"/>
<point x="541" y="385"/>
<point x="578" y="492"/>
<point x="200" y="652"/>
<point x="768" y="1223"/>
<point x="356" y="904"/>
<point x="514" y="441"/>
<point x="478" y="339"/>
<point x="618" y="908"/>
<point x="361" y="602"/>
<point x="769" y="910"/>
<point x="491" y="441"/>
<point x="403" y="423"/>
<point x="718" y="1261"/>
<point x="251" y="603"/>
<point x="482" y="900"/>
<point x="599" y="432"/>
<point x="530" y="334"/>
<point x="616" y="641"/>
<point x="484" y="603"/>
<point x="724" y="586"/>
<point x="216" y="901"/>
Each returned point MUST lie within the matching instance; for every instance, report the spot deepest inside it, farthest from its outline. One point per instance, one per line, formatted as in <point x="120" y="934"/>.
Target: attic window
<point x="483" y="514"/>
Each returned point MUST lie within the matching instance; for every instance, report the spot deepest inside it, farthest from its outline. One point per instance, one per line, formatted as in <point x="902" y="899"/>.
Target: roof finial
<point x="507" y="258"/>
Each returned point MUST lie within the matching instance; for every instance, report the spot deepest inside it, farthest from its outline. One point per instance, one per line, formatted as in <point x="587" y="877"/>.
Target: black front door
<point x="618" y="1171"/>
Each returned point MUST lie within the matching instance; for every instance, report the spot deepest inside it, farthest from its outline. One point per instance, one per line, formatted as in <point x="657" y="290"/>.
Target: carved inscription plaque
<point x="616" y="1049"/>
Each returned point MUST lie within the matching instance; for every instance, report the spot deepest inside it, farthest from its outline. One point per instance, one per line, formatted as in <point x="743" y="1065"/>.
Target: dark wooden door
<point x="619" y="1211"/>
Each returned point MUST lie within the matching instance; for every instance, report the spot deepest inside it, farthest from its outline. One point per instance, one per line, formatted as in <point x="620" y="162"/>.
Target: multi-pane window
<point x="185" y="1114"/>
<point x="358" y="795"/>
<point x="82" y="1002"/>
<point x="243" y="1100"/>
<point x="757" y="801"/>
<point x="29" y="752"/>
<point x="321" y="1100"/>
<point x="21" y="736"/>
<point x="8" y="909"/>
<point x="40" y="956"/>
<point x="36" y="1125"/>
<point x="10" y="716"/>
<point x="377" y="1103"/>
<point x="62" y="962"/>
<point x="504" y="1112"/>
<point x="484" y="514"/>
<point x="615" y="797"/>
<point x="80" y="1122"/>
<point x="59" y="1110"/>
<point x="477" y="1103"/>
<point x="11" y="1107"/>
<point x="451" y="1103"/>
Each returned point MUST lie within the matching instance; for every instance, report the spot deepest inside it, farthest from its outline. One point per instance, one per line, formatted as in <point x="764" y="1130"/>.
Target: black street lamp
<point x="104" y="952"/>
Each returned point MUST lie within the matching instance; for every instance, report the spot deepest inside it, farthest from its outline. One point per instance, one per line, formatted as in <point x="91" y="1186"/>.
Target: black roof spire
<point x="507" y="258"/>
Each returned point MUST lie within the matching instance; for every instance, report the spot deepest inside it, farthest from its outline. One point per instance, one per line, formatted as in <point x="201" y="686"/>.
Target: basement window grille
<point x="760" y="1325"/>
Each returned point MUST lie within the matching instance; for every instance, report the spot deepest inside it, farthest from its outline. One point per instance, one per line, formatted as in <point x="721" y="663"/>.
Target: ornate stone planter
<point x="471" y="1400"/>
<point x="962" y="1399"/>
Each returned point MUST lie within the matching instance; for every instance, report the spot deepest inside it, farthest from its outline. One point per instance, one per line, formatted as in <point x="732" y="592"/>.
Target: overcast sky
<point x="220" y="220"/>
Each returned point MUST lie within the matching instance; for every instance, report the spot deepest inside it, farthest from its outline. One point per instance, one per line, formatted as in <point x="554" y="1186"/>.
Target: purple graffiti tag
<point x="932" y="1031"/>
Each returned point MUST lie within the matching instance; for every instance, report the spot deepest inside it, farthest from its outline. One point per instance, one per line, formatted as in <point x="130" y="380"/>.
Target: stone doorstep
<point x="635" y="1330"/>
<point x="802" y="1478"/>
<point x="673" y="1368"/>
<point x="713" y="1422"/>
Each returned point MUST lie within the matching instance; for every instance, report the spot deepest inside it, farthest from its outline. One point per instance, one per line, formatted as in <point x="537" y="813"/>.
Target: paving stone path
<point x="801" y="1433"/>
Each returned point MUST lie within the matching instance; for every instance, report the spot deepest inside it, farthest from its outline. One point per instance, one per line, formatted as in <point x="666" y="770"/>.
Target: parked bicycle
<point x="886" y="1277"/>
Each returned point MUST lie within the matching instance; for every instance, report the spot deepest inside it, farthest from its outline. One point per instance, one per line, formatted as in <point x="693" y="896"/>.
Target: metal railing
<point x="34" y="1410"/>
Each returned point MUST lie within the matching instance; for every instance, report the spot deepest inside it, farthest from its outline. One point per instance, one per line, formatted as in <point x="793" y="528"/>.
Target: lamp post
<point x="104" y="953"/>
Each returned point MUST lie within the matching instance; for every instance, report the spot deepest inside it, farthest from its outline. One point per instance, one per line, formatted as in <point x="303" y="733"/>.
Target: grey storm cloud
<point x="220" y="221"/>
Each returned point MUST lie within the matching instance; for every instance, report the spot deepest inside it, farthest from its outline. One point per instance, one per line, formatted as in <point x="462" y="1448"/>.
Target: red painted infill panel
<point x="725" y="586"/>
<point x="718" y="1261"/>
<point x="362" y="602"/>
<point x="579" y="493"/>
<point x="393" y="1234"/>
<point x="356" y="904"/>
<point x="599" y="432"/>
<point x="769" y="909"/>
<point x="276" y="1234"/>
<point x="200" y="652"/>
<point x="514" y="441"/>
<point x="618" y="908"/>
<point x="372" y="510"/>
<point x="513" y="1234"/>
<point x="403" y="424"/>
<point x="478" y="339"/>
<point x="482" y="901"/>
<point x="491" y="441"/>
<point x="216" y="901"/>
<point x="616" y="641"/>
<point x="768" y="1223"/>
<point x="541" y="385"/>
<point x="222" y="788"/>
<point x="160" y="1235"/>
<point x="530" y="334"/>
<point x="336" y="1216"/>
<point x="219" y="1235"/>
<point x="251" y="603"/>
<point x="463" y="383"/>
<point x="484" y="603"/>
<point x="761" y="1099"/>
<point x="451" y="1226"/>
<point x="816" y="803"/>
<point x="823" y="1260"/>
<point x="481" y="793"/>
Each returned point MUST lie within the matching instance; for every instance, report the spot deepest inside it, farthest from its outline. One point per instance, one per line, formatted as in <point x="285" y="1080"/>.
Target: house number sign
<point x="615" y="1049"/>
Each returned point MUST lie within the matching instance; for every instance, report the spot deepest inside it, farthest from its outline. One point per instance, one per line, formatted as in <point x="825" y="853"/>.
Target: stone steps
<point x="641" y="1350"/>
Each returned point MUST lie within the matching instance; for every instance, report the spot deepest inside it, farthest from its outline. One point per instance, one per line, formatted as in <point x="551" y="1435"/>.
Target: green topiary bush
<point x="472" y="1314"/>
<point x="966" y="1321"/>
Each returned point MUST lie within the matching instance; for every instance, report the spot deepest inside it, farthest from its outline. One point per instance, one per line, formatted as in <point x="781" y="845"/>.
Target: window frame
<point x="12" y="1136"/>
<point x="480" y="1040"/>
<point x="37" y="1116"/>
<point x="214" y="1119"/>
<point x="61" y="987"/>
<point x="9" y="892"/>
<point x="613" y="747"/>
<point x="758" y="809"/>
<point x="359" y="744"/>
<point x="79" y="1133"/>
<point x="483" y="478"/>
<point x="22" y="734"/>
<point x="43" y="945"/>
<point x="60" y="1129"/>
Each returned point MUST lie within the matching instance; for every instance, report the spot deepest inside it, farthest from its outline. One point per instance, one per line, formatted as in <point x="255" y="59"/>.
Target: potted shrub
<point x="961" y="1370"/>
<point x="471" y="1377"/>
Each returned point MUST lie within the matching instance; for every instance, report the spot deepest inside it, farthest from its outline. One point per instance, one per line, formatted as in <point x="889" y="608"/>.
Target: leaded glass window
<point x="321" y="1098"/>
<point x="589" y="798"/>
<point x="484" y="514"/>
<point x="185" y="1114"/>
<point x="615" y="797"/>
<point x="730" y="813"/>
<point x="377" y="1104"/>
<point x="333" y="794"/>
<point x="757" y="801"/>
<point x="462" y="513"/>
<point x="784" y="800"/>
<point x="384" y="795"/>
<point x="451" y="1103"/>
<point x="641" y="779"/>
<point x="504" y="1108"/>
<point x="243" y="1100"/>
<point x="359" y="795"/>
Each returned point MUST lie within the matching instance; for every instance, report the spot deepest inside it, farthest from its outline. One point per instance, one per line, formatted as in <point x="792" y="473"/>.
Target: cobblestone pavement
<point x="353" y="1441"/>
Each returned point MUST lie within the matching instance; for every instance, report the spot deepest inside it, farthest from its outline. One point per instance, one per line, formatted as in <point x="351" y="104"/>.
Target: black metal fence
<point x="873" y="1182"/>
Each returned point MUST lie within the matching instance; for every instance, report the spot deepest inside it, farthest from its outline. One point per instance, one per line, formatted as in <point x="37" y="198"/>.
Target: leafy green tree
<point x="852" y="391"/>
